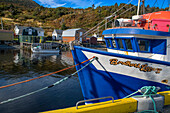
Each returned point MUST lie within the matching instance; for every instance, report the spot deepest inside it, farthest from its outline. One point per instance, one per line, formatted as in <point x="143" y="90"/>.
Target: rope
<point x="115" y="17"/>
<point x="56" y="83"/>
<point x="147" y="91"/>
<point x="86" y="33"/>
<point x="45" y="75"/>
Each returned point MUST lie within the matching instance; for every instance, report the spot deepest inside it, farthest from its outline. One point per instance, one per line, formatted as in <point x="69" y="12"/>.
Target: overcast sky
<point x="89" y="3"/>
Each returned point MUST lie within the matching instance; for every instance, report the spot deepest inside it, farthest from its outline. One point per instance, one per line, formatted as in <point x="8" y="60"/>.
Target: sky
<point x="89" y="3"/>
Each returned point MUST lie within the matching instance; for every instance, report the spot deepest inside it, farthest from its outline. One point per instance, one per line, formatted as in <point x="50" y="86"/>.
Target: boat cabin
<point x="138" y="42"/>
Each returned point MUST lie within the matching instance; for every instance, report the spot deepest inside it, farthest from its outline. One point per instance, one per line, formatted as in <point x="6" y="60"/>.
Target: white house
<point x="57" y="34"/>
<point x="19" y="30"/>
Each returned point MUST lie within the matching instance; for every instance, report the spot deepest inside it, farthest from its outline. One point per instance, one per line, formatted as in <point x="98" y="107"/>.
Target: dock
<point x="126" y="105"/>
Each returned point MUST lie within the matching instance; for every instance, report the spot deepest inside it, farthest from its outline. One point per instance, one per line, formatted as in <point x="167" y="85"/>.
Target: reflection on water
<point x="19" y="65"/>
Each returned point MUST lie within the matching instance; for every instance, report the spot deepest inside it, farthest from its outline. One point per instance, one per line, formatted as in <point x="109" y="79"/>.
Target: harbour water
<point x="19" y="65"/>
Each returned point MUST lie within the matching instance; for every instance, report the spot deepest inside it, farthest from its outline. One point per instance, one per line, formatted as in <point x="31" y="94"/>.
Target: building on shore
<point x="33" y="31"/>
<point x="6" y="35"/>
<point x="73" y="34"/>
<point x="29" y="34"/>
<point x="57" y="35"/>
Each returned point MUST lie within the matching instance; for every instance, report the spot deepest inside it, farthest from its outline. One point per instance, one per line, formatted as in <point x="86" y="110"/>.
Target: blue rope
<point x="146" y="91"/>
<point x="56" y="83"/>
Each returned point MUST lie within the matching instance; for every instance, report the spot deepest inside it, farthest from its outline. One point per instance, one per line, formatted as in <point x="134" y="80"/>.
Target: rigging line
<point x="162" y="4"/>
<point x="154" y="3"/>
<point x="115" y="17"/>
<point x="110" y="15"/>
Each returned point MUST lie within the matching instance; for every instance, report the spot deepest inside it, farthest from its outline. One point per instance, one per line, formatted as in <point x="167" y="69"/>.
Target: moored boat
<point x="138" y="54"/>
<point x="44" y="49"/>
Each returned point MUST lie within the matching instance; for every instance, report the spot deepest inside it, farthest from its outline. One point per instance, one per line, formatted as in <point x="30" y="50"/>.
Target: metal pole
<point x="143" y="1"/>
<point x="138" y="7"/>
<point x="106" y="23"/>
<point x="1" y="24"/>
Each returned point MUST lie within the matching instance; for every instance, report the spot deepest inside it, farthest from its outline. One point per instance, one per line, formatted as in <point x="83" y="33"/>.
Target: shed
<point x="92" y="40"/>
<point x="6" y="35"/>
<point x="73" y="34"/>
<point x="57" y="34"/>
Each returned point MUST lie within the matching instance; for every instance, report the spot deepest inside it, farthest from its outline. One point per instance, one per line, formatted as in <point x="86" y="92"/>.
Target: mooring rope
<point x="147" y="91"/>
<point x="56" y="83"/>
<point x="45" y="75"/>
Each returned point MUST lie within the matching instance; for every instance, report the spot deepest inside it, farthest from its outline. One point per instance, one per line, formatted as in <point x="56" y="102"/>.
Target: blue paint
<point x="124" y="56"/>
<point x="95" y="83"/>
<point x="135" y="31"/>
<point x="157" y="46"/>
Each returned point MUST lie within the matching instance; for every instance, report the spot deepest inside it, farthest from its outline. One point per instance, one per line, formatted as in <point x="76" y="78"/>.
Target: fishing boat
<point x="138" y="54"/>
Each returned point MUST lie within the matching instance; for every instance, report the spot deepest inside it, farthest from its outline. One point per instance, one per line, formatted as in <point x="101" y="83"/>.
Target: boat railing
<point x="43" y="45"/>
<point x="89" y="100"/>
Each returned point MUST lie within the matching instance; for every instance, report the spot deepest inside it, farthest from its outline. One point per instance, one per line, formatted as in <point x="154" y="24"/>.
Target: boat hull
<point x="44" y="51"/>
<point x="118" y="75"/>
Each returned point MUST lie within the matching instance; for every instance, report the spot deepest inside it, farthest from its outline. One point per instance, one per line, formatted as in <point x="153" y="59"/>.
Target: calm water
<point x="18" y="65"/>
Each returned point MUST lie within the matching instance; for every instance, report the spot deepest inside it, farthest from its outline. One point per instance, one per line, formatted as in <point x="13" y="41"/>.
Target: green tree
<point x="63" y="26"/>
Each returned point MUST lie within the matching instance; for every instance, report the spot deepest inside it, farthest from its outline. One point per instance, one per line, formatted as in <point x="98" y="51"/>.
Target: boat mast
<point x="143" y="2"/>
<point x="138" y="7"/>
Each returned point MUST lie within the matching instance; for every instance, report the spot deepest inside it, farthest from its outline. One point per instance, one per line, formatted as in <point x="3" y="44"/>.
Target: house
<point x="22" y="30"/>
<point x="73" y="34"/>
<point x="57" y="34"/>
<point x="6" y="35"/>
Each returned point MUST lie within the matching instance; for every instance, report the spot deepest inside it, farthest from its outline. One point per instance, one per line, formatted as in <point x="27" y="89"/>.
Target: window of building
<point x="30" y="31"/>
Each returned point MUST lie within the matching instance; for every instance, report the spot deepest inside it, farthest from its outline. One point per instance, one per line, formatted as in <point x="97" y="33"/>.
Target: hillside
<point x="61" y="17"/>
<point x="21" y="3"/>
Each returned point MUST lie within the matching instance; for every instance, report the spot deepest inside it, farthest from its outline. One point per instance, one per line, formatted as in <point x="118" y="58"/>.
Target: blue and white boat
<point x="135" y="57"/>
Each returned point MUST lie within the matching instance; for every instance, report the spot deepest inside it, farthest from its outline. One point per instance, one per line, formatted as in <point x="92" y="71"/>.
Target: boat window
<point x="120" y="43"/>
<point x="108" y="43"/>
<point x="128" y="44"/>
<point x="114" y="43"/>
<point x="143" y="45"/>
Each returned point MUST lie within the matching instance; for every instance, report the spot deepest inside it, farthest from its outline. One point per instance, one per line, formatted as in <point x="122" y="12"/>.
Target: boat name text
<point x="144" y="67"/>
